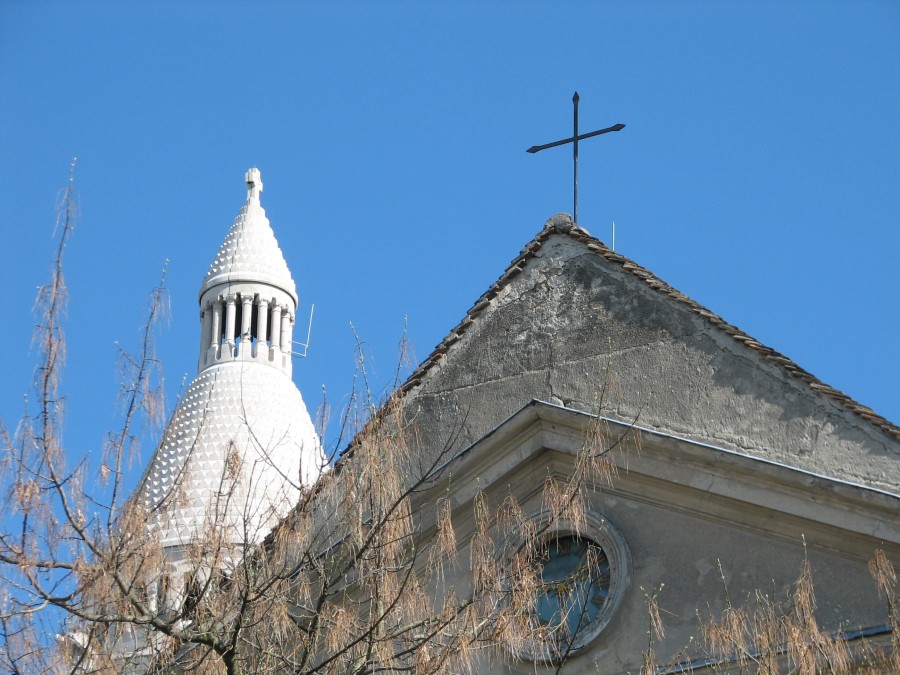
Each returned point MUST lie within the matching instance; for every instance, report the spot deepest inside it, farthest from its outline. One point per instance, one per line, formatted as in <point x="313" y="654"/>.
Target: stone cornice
<point x="655" y="467"/>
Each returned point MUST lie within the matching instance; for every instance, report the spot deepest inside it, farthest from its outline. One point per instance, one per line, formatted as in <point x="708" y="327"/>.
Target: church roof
<point x="250" y="252"/>
<point x="562" y="224"/>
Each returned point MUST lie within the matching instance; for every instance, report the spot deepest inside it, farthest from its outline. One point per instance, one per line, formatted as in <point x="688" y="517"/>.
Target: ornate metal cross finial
<point x="254" y="183"/>
<point x="574" y="140"/>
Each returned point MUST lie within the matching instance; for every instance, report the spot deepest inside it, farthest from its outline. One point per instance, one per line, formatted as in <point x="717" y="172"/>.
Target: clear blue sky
<point x="759" y="171"/>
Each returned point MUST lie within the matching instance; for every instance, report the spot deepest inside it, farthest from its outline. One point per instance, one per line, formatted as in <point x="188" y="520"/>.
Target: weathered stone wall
<point x="577" y="330"/>
<point x="678" y="556"/>
<point x="710" y="530"/>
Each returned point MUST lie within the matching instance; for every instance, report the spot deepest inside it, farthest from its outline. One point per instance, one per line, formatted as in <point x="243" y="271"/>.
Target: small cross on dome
<point x="254" y="184"/>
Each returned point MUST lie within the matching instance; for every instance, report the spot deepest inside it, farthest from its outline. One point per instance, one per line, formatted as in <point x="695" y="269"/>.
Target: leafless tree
<point x="367" y="574"/>
<point x="767" y="636"/>
<point x="375" y="570"/>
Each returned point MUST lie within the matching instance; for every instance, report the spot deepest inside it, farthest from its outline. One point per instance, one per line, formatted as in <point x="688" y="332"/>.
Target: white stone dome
<point x="236" y="454"/>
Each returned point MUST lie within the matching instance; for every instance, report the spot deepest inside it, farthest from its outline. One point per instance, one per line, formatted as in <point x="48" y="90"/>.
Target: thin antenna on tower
<point x="614" y="236"/>
<point x="305" y="345"/>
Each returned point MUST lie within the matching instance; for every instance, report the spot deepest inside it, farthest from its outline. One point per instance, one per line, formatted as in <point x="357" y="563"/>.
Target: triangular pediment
<point x="572" y="322"/>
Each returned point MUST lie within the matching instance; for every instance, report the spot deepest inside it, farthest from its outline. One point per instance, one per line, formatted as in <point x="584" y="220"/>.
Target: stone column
<point x="287" y="325"/>
<point x="230" y="311"/>
<point x="276" y="325"/>
<point x="262" y="323"/>
<point x="216" y="323"/>
<point x="246" y="316"/>
<point x="205" y="322"/>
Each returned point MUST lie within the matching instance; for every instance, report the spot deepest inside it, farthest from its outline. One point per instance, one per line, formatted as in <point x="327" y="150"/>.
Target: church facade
<point x="732" y="467"/>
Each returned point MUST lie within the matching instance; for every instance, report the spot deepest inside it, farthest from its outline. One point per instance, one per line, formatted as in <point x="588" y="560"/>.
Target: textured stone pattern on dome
<point x="239" y="446"/>
<point x="250" y="252"/>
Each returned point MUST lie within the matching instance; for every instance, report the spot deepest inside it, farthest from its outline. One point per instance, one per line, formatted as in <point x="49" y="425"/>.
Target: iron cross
<point x="574" y="140"/>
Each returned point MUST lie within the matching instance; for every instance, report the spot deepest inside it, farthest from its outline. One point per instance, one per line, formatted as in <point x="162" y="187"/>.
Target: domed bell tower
<point x="240" y="446"/>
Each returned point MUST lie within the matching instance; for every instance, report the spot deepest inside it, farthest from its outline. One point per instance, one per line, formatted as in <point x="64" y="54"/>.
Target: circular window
<point x="574" y="585"/>
<point x="582" y="576"/>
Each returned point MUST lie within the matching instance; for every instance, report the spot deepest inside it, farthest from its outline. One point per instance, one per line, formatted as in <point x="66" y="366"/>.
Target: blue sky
<point x="759" y="171"/>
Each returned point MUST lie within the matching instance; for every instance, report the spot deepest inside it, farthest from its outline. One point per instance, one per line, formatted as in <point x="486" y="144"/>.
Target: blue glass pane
<point x="575" y="586"/>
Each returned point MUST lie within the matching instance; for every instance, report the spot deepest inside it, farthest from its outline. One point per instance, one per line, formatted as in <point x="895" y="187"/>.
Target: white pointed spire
<point x="250" y="252"/>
